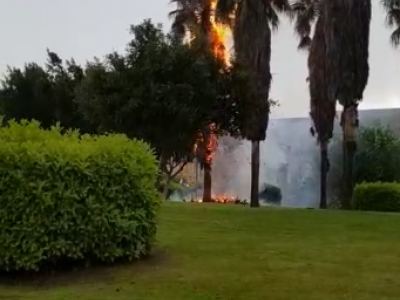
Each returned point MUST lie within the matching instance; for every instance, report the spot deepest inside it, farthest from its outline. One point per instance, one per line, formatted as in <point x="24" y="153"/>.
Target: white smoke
<point x="287" y="160"/>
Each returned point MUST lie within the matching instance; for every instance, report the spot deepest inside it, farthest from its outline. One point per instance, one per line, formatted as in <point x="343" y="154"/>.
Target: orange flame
<point x="219" y="35"/>
<point x="220" y="198"/>
<point x="211" y="144"/>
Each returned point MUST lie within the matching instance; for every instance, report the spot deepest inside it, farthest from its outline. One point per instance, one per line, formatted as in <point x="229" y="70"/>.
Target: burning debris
<point x="223" y="198"/>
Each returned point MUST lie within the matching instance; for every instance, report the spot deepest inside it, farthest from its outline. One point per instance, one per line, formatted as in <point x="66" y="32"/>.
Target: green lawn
<point x="232" y="252"/>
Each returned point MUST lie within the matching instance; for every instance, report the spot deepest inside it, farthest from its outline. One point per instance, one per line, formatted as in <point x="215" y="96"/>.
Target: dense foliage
<point x="159" y="90"/>
<point x="69" y="197"/>
<point x="45" y="94"/>
<point x="377" y="196"/>
<point x="377" y="158"/>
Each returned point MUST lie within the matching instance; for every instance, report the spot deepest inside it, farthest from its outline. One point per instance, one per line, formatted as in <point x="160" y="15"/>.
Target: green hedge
<point x="68" y="197"/>
<point x="377" y="196"/>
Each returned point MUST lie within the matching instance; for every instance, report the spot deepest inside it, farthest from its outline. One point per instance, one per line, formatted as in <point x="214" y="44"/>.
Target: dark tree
<point x="252" y="28"/>
<point x="322" y="111"/>
<point x="347" y="53"/>
<point x="163" y="92"/>
<point x="44" y="94"/>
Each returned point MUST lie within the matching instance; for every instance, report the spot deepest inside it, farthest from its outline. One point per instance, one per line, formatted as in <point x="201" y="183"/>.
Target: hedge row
<point x="377" y="196"/>
<point x="69" y="197"/>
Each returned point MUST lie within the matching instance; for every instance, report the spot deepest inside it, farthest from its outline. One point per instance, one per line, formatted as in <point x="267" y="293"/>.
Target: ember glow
<point x="223" y="198"/>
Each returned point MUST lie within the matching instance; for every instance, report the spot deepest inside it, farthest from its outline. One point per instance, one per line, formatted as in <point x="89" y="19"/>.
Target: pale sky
<point x="86" y="28"/>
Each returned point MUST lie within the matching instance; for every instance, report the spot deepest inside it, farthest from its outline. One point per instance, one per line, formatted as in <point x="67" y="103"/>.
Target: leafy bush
<point x="377" y="158"/>
<point x="271" y="194"/>
<point x="377" y="196"/>
<point x="69" y="197"/>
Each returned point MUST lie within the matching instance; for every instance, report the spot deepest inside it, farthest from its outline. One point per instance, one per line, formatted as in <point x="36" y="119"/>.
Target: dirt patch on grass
<point x="80" y="274"/>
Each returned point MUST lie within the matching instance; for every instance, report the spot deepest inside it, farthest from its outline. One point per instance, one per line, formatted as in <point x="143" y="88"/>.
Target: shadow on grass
<point x="70" y="273"/>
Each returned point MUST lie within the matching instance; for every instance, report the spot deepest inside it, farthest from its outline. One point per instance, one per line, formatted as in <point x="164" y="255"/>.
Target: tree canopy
<point x="159" y="90"/>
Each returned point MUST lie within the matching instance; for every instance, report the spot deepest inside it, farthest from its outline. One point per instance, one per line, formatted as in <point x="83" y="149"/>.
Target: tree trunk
<point x="349" y="125"/>
<point x="207" y="183"/>
<point x="323" y="174"/>
<point x="161" y="161"/>
<point x="255" y="173"/>
<point x="166" y="189"/>
<point x="350" y="147"/>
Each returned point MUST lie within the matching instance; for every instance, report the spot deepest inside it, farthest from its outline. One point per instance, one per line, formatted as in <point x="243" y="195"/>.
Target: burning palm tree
<point x="392" y="8"/>
<point x="195" y="20"/>
<point x="252" y="26"/>
<point x="346" y="29"/>
<point x="252" y="22"/>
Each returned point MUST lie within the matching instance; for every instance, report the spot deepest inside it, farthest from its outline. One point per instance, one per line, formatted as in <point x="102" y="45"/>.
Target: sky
<point x="83" y="29"/>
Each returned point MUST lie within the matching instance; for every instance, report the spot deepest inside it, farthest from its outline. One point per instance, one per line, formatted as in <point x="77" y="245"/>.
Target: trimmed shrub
<point x="377" y="196"/>
<point x="68" y="197"/>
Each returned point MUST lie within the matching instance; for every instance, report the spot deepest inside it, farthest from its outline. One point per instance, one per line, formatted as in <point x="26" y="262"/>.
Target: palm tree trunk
<point x="350" y="153"/>
<point x="348" y="161"/>
<point x="207" y="183"/>
<point x="255" y="173"/>
<point x="349" y="124"/>
<point x="323" y="174"/>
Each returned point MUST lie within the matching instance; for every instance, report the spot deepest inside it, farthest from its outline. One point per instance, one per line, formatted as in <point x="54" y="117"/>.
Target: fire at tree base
<point x="229" y="179"/>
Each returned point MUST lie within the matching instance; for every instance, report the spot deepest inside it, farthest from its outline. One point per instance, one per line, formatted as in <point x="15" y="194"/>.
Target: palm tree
<point x="392" y="8"/>
<point x="253" y="23"/>
<point x="340" y="45"/>
<point x="346" y="29"/>
<point x="322" y="111"/>
<point x="193" y="17"/>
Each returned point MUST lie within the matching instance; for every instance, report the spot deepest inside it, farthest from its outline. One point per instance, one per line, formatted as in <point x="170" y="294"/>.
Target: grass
<point x="221" y="252"/>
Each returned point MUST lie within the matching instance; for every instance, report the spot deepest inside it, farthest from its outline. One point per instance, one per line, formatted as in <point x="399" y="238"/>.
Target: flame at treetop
<point x="219" y="34"/>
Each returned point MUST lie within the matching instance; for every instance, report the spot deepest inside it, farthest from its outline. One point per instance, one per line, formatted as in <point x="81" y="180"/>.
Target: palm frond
<point x="281" y="6"/>
<point x="395" y="37"/>
<point x="183" y="17"/>
<point x="272" y="17"/>
<point x="392" y="20"/>
<point x="225" y="10"/>
<point x="304" y="13"/>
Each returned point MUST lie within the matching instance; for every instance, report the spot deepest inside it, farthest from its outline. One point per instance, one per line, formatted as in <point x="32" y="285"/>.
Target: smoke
<point x="288" y="159"/>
